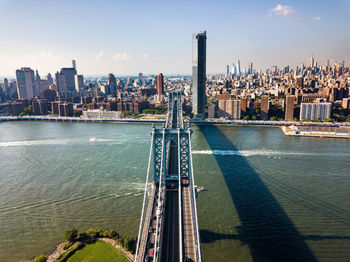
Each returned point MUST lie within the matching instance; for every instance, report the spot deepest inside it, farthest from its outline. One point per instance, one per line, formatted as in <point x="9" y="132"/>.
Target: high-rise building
<point x="160" y="84"/>
<point x="244" y="103"/>
<point x="264" y="108"/>
<point x="60" y="82"/>
<point x="69" y="74"/>
<point x="6" y="86"/>
<point x="199" y="73"/>
<point x="250" y="69"/>
<point x="25" y="82"/>
<point x="314" y="111"/>
<point x="111" y="79"/>
<point x="238" y="67"/>
<point x="74" y="65"/>
<point x="289" y="111"/>
<point x="311" y="62"/>
<point x="274" y="69"/>
<point x="230" y="108"/>
<point x="227" y="70"/>
<point x="49" y="78"/>
<point x="234" y="69"/>
<point x="79" y="83"/>
<point x="300" y="82"/>
<point x="112" y="84"/>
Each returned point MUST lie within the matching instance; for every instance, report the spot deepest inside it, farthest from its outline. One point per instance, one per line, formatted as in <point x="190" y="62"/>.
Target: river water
<point x="268" y="197"/>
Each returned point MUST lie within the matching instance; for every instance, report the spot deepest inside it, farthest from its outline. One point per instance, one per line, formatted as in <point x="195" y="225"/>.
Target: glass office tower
<point x="199" y="50"/>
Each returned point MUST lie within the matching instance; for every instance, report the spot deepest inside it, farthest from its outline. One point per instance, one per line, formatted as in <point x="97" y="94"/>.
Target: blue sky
<point x="127" y="37"/>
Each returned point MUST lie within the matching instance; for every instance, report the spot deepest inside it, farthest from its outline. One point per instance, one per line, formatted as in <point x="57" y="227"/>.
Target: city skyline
<point x="126" y="38"/>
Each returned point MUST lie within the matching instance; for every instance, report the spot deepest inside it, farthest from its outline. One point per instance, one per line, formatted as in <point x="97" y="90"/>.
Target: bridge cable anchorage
<point x="160" y="206"/>
<point x="144" y="199"/>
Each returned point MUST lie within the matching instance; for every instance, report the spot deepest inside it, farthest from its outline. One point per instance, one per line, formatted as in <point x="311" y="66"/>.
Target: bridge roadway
<point x="170" y="217"/>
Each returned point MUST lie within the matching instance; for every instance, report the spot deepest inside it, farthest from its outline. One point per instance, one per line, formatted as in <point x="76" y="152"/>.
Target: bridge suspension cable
<point x="144" y="199"/>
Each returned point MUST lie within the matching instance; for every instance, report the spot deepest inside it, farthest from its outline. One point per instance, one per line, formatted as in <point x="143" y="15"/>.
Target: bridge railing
<point x="194" y="207"/>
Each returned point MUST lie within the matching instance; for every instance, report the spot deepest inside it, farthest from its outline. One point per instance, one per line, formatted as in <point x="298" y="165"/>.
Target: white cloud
<point x="122" y="57"/>
<point x="44" y="54"/>
<point x="282" y="10"/>
<point x="317" y="18"/>
<point x="99" y="55"/>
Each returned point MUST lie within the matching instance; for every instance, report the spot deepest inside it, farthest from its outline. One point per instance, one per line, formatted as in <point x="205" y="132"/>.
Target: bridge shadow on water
<point x="265" y="227"/>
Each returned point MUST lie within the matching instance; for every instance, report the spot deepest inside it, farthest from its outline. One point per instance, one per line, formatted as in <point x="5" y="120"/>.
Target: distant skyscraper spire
<point x="250" y="68"/>
<point x="74" y="64"/>
<point x="311" y="61"/>
<point x="234" y="72"/>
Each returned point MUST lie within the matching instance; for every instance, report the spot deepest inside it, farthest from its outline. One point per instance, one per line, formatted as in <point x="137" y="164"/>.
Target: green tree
<point x="41" y="258"/>
<point x="348" y="118"/>
<point x="71" y="235"/>
<point x="77" y="113"/>
<point x="128" y="243"/>
<point x="27" y="111"/>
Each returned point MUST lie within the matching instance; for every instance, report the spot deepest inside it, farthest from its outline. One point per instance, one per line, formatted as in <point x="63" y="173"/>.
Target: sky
<point x="125" y="37"/>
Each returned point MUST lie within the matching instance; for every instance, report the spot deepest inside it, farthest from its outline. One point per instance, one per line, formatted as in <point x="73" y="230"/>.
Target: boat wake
<point x="248" y="153"/>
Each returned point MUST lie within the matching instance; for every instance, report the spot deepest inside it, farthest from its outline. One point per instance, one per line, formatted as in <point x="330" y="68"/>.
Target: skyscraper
<point x="199" y="50"/>
<point x="69" y="76"/>
<point x="311" y="62"/>
<point x="6" y="86"/>
<point x="234" y="70"/>
<point x="250" y="69"/>
<point x="25" y="82"/>
<point x="227" y="70"/>
<point x="60" y="82"/>
<point x="49" y="78"/>
<point x="74" y="64"/>
<point x="160" y="84"/>
<point x="238" y="67"/>
<point x="79" y="83"/>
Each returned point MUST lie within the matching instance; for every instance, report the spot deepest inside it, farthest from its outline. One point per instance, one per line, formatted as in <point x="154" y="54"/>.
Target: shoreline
<point x="161" y="121"/>
<point x="58" y="249"/>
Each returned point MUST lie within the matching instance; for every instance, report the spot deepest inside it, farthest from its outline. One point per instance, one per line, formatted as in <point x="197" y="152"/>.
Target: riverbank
<point x="317" y="131"/>
<point x="160" y="121"/>
<point x="59" y="249"/>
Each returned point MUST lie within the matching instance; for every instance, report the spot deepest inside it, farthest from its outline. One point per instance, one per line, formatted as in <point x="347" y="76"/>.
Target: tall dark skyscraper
<point x="199" y="42"/>
<point x="68" y="74"/>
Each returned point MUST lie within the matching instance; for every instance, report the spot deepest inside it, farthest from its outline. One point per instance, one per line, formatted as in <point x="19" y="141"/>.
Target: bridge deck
<point x="170" y="247"/>
<point x="189" y="243"/>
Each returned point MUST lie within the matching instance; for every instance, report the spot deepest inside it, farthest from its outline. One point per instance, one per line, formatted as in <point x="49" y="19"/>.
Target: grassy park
<point x="98" y="252"/>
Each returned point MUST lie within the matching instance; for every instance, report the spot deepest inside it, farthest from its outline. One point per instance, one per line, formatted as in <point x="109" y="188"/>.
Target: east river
<point x="268" y="197"/>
